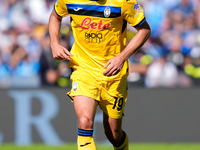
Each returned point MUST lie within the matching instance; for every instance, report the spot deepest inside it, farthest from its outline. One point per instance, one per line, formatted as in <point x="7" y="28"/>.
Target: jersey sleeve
<point x="133" y="13"/>
<point x="60" y="8"/>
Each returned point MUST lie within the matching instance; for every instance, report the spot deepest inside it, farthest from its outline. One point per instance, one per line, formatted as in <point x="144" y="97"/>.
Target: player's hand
<point x="113" y="66"/>
<point x="60" y="53"/>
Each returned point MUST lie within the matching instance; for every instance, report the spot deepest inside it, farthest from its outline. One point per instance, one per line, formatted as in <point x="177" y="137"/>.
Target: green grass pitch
<point x="134" y="146"/>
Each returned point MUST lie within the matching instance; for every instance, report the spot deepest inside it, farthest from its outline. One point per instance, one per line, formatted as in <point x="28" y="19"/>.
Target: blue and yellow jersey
<point x="99" y="29"/>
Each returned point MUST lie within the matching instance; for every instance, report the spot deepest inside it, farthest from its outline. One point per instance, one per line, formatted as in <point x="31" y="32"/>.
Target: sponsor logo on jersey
<point x="107" y="12"/>
<point x="95" y="38"/>
<point x="75" y="86"/>
<point x="136" y="6"/>
<point x="87" y="24"/>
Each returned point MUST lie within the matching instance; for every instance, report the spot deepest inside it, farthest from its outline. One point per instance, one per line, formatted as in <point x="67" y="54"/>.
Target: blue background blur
<point x="170" y="58"/>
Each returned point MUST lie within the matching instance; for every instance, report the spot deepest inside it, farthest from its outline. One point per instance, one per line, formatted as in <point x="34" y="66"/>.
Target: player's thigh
<point x="84" y="94"/>
<point x="85" y="107"/>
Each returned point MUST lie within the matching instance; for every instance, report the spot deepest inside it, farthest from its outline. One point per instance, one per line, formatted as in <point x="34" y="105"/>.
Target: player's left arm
<point x="137" y="41"/>
<point x="115" y="64"/>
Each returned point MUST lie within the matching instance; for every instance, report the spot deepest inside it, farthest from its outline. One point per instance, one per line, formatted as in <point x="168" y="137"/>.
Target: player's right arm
<point x="59" y="52"/>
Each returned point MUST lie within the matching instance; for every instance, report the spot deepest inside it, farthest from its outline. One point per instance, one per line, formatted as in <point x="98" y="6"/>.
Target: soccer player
<point x="99" y="59"/>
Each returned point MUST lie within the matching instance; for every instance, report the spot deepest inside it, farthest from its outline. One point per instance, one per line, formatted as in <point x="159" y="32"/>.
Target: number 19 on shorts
<point x="118" y="103"/>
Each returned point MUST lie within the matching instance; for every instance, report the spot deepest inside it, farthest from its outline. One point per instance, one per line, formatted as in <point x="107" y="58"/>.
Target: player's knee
<point x="85" y="123"/>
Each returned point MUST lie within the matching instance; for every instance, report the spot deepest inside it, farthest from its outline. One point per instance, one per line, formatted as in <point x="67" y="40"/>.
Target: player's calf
<point x="123" y="144"/>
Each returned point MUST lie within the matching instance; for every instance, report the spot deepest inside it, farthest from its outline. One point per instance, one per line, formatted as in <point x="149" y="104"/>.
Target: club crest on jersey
<point x="136" y="6"/>
<point x="107" y="12"/>
<point x="75" y="86"/>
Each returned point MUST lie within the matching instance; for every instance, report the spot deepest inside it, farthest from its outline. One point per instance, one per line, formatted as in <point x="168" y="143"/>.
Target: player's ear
<point x="145" y="25"/>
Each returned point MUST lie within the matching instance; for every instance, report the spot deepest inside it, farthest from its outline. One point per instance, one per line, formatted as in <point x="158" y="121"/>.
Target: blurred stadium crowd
<point x="170" y="58"/>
